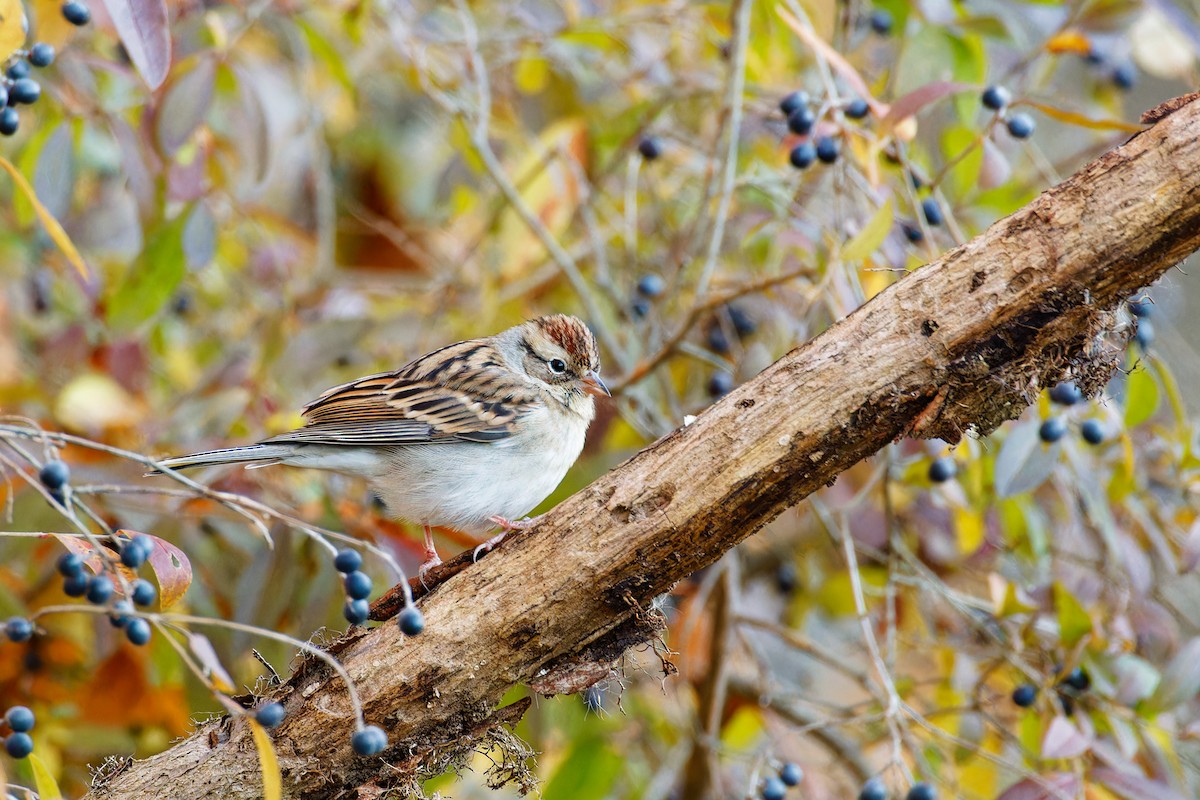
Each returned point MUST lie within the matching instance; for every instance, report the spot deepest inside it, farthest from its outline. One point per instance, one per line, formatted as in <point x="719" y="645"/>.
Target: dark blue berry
<point x="1093" y="57"/>
<point x="137" y="631"/>
<point x="827" y="149"/>
<point x="358" y="585"/>
<point x="18" y="69"/>
<point x="20" y="719"/>
<point x="1145" y="334"/>
<point x="75" y="585"/>
<point x="773" y="789"/>
<point x="743" y="323"/>
<point x="1078" y="679"/>
<point x="651" y="285"/>
<point x="786" y="577"/>
<point x="912" y="232"/>
<point x="142" y="592"/>
<point x="41" y="55"/>
<point x="99" y="589"/>
<point x="995" y="98"/>
<point x="718" y="342"/>
<point x="18" y="745"/>
<point x="932" y="211"/>
<point x="791" y="774"/>
<point x="921" y="791"/>
<point x="4" y="102"/>
<point x="54" y="474"/>
<point x="802" y="120"/>
<point x="25" y="91"/>
<point x="70" y="564"/>
<point x="270" y="715"/>
<point x="793" y="101"/>
<point x="118" y="618"/>
<point x="1141" y="307"/>
<point x="411" y="621"/>
<point x="10" y="120"/>
<point x="942" y="469"/>
<point x="356" y="612"/>
<point x="650" y="148"/>
<point x="18" y="629"/>
<point x="370" y="741"/>
<point x="76" y="12"/>
<point x="639" y="308"/>
<point x="1052" y="430"/>
<point x="857" y="108"/>
<point x="1025" y="695"/>
<point x="1067" y="703"/>
<point x="1092" y="431"/>
<point x="1021" y="126"/>
<point x="1124" y="76"/>
<point x="1065" y="394"/>
<point x="133" y="554"/>
<point x="881" y="22"/>
<point x="873" y="790"/>
<point x="802" y="155"/>
<point x="347" y="560"/>
<point x="720" y="384"/>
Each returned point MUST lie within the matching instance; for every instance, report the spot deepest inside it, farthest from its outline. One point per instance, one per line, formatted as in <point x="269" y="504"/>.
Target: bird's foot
<point x="431" y="560"/>
<point x="506" y="527"/>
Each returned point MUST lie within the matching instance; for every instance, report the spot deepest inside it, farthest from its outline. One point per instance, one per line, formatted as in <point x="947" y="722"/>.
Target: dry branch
<point x="964" y="343"/>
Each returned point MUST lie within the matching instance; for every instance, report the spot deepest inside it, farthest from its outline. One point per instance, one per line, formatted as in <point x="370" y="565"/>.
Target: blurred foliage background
<point x="318" y="191"/>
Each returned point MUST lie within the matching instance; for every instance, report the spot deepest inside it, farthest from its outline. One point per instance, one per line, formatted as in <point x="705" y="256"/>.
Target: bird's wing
<point x="458" y="393"/>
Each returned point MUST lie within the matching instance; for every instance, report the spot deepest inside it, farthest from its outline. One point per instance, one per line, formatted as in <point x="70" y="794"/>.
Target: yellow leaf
<point x="867" y="240"/>
<point x="1072" y="118"/>
<point x="13" y="27"/>
<point x="47" y="787"/>
<point x="48" y="221"/>
<point x="272" y="781"/>
<point x="1073" y="620"/>
<point x="970" y="529"/>
<point x="532" y="72"/>
<point x="1069" y="42"/>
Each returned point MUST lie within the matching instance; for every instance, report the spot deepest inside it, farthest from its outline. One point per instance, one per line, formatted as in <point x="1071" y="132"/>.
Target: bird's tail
<point x="253" y="456"/>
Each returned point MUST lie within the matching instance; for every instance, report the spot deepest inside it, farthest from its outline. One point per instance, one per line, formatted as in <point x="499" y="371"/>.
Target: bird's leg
<point x="506" y="526"/>
<point x="431" y="555"/>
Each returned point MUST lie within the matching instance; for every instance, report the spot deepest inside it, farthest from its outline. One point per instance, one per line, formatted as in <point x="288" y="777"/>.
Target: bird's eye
<point x="557" y="366"/>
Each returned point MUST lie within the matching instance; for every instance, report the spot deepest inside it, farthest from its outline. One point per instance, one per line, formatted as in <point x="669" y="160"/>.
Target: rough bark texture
<point x="963" y="343"/>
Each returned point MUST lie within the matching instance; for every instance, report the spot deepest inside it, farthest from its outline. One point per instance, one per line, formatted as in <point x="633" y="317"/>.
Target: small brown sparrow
<point x="472" y="436"/>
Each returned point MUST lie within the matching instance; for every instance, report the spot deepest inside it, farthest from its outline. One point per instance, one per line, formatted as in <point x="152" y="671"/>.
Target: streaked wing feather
<point x="459" y="392"/>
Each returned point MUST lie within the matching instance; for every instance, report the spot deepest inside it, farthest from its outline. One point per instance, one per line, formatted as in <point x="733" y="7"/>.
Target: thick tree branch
<point x="965" y="342"/>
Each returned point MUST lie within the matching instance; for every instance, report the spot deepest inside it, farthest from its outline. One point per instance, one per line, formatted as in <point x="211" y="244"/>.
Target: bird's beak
<point x="593" y="385"/>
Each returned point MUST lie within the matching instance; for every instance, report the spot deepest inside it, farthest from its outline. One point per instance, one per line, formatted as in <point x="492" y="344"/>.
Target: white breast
<point x="460" y="485"/>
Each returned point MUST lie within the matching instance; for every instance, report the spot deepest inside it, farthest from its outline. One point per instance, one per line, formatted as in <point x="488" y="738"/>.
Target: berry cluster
<point x="650" y="287"/>
<point x="357" y="585"/>
<point x="1069" y="689"/>
<point x="20" y="722"/>
<point x="775" y="787"/>
<point x="996" y="98"/>
<point x="17" y="88"/>
<point x="801" y="119"/>
<point x="875" y="789"/>
<point x="742" y="325"/>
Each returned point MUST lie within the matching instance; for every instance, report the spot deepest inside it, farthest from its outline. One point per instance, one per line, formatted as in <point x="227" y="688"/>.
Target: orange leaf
<point x="1069" y="42"/>
<point x="1085" y="122"/>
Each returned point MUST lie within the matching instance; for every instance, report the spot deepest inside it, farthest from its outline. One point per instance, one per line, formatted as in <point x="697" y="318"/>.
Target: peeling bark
<point x="964" y="343"/>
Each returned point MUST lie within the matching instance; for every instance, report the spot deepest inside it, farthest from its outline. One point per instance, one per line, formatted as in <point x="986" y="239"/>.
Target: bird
<point x="472" y="436"/>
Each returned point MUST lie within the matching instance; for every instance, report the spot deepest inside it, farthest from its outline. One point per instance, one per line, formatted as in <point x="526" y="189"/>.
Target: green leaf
<point x="867" y="240"/>
<point x="1141" y="397"/>
<point x="1073" y="620"/>
<point x="964" y="175"/>
<point x="153" y="280"/>
<point x="587" y="773"/>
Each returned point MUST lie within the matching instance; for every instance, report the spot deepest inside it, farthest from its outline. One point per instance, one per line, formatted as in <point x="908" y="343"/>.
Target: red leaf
<point x="919" y="98"/>
<point x="1055" y="786"/>
<point x="173" y="571"/>
<point x="142" y="26"/>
